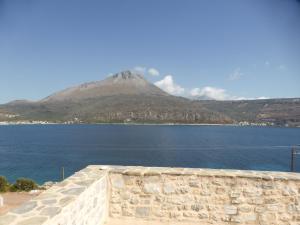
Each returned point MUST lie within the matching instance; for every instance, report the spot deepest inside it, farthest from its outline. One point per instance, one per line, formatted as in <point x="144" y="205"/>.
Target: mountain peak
<point x="127" y="77"/>
<point x="123" y="83"/>
<point x="128" y="74"/>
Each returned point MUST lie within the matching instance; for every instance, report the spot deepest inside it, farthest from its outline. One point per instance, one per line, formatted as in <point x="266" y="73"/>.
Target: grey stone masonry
<point x="205" y="196"/>
<point x="201" y="196"/>
<point x="80" y="199"/>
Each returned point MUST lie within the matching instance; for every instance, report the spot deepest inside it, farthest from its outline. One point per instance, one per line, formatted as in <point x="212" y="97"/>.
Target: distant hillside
<point x="128" y="97"/>
<point x="277" y="111"/>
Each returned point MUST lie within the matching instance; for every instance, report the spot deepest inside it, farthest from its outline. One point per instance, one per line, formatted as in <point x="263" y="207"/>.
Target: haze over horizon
<point x="208" y="49"/>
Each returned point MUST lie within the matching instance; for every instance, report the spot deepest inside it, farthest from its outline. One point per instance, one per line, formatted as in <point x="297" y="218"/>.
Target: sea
<point x="39" y="152"/>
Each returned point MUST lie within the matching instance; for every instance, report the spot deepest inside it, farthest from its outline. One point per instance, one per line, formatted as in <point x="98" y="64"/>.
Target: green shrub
<point x="23" y="184"/>
<point x="4" y="185"/>
<point x="13" y="188"/>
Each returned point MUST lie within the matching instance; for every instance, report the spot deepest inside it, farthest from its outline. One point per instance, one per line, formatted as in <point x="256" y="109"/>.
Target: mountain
<point x="125" y="96"/>
<point x="124" y="83"/>
<point x="128" y="97"/>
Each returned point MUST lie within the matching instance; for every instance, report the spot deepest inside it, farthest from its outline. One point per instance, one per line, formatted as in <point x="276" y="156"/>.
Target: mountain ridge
<point x="128" y="97"/>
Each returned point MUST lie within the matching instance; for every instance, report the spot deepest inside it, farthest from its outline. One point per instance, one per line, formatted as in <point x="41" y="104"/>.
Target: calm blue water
<point x="38" y="151"/>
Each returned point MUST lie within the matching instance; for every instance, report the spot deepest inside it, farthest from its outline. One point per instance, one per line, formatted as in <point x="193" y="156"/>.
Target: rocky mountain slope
<point x="123" y="97"/>
<point x="128" y="97"/>
<point x="124" y="83"/>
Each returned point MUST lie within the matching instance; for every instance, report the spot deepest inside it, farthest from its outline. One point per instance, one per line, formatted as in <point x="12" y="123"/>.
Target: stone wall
<point x="205" y="195"/>
<point x="82" y="199"/>
<point x="196" y="196"/>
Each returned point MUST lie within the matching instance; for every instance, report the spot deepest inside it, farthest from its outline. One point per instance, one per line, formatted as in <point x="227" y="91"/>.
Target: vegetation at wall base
<point x="4" y="185"/>
<point x="21" y="184"/>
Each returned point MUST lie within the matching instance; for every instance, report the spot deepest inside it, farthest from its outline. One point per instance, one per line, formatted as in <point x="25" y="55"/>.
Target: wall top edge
<point x="179" y="171"/>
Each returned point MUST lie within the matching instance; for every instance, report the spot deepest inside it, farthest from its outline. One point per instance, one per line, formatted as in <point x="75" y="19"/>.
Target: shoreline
<point x="145" y="124"/>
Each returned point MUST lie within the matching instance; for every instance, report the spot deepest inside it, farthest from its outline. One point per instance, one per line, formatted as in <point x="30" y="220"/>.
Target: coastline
<point x="144" y="124"/>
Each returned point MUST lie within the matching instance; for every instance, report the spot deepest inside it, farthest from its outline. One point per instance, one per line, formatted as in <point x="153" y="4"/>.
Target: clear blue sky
<point x="232" y="49"/>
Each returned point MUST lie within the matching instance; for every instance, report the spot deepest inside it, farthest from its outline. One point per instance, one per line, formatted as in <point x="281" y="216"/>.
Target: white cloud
<point x="243" y="98"/>
<point x="153" y="72"/>
<point x="213" y="93"/>
<point x="144" y="70"/>
<point x="236" y="75"/>
<point x="262" y="97"/>
<point x="140" y="69"/>
<point x="210" y="93"/>
<point x="168" y="85"/>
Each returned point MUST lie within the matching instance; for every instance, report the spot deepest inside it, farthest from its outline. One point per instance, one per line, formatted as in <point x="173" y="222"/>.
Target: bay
<point x="39" y="151"/>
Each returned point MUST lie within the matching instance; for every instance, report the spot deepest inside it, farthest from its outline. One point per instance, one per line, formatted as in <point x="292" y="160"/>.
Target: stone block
<point x="49" y="201"/>
<point x="252" y="192"/>
<point x="272" y="207"/>
<point x="220" y="190"/>
<point x="129" y="180"/>
<point x="136" y="190"/>
<point x="244" y="208"/>
<point x="249" y="217"/>
<point x="267" y="218"/>
<point x="203" y="215"/>
<point x="230" y="210"/>
<point x="205" y="192"/>
<point x="235" y="194"/>
<point x="286" y="217"/>
<point x="183" y="207"/>
<point x="160" y="213"/>
<point x="255" y="201"/>
<point x="174" y="214"/>
<point x="73" y="191"/>
<point x="50" y="211"/>
<point x="182" y="190"/>
<point x="268" y="185"/>
<point x="218" y="181"/>
<point x="117" y="181"/>
<point x="196" y="207"/>
<point x="236" y="201"/>
<point x="115" y="208"/>
<point x="134" y="200"/>
<point x="190" y="214"/>
<point x="28" y="206"/>
<point x="127" y="212"/>
<point x="125" y="195"/>
<point x="194" y="183"/>
<point x="142" y="212"/>
<point x="169" y="188"/>
<point x="152" y="188"/>
<point x="236" y="219"/>
<point x="167" y="207"/>
<point x="159" y="199"/>
<point x="260" y="209"/>
<point x="270" y="200"/>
